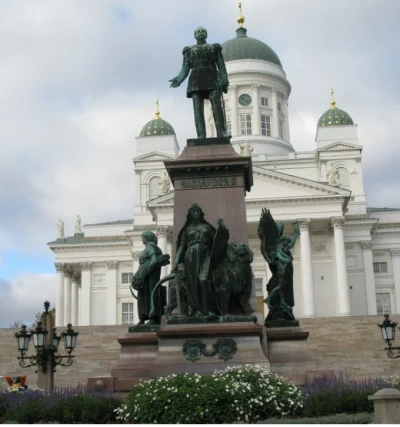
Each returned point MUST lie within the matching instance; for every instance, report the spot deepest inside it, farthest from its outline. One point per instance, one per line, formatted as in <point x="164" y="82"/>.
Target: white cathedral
<point x="347" y="260"/>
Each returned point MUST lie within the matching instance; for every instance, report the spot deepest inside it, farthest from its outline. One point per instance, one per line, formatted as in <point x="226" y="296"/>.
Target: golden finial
<point x="240" y="18"/>
<point x="157" y="111"/>
<point x="333" y="103"/>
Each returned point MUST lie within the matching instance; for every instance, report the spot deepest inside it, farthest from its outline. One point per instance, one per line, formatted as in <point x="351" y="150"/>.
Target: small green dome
<point x="335" y="117"/>
<point x="243" y="47"/>
<point x="157" y="126"/>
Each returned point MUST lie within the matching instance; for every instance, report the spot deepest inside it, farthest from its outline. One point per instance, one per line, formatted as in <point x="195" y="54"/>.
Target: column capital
<point x="69" y="271"/>
<point x="59" y="266"/>
<point x="87" y="265"/>
<point x="366" y="244"/>
<point x="112" y="265"/>
<point x="169" y="236"/>
<point x="77" y="278"/>
<point x="162" y="231"/>
<point x="304" y="224"/>
<point x="338" y="222"/>
<point x="323" y="161"/>
<point x="255" y="87"/>
<point x="135" y="255"/>
<point x="232" y="88"/>
<point x="395" y="253"/>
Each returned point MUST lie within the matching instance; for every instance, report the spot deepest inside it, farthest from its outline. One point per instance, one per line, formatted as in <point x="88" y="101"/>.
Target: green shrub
<point x="361" y="418"/>
<point x="240" y="393"/>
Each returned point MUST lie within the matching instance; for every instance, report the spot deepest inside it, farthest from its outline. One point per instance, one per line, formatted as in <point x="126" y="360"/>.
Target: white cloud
<point x="23" y="296"/>
<point x="79" y="80"/>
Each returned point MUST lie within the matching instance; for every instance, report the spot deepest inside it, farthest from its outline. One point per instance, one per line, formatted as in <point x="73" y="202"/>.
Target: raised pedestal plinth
<point x="202" y="349"/>
<point x="138" y="352"/>
<point x="288" y="353"/>
<point x="210" y="172"/>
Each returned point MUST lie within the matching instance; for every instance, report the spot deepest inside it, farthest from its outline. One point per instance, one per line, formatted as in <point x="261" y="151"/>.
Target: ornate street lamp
<point x="46" y="350"/>
<point x="388" y="330"/>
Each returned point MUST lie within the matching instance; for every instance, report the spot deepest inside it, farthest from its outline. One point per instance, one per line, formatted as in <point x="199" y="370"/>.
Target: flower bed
<point x="236" y="394"/>
<point x="63" y="406"/>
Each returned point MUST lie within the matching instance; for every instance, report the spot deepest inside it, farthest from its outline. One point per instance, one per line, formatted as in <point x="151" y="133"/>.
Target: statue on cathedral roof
<point x="246" y="149"/>
<point x="276" y="250"/>
<point x="78" y="228"/>
<point x="164" y="184"/>
<point x="60" y="227"/>
<point x="208" y="80"/>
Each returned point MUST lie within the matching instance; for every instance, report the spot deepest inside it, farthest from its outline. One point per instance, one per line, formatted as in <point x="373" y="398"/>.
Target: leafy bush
<point x="341" y="394"/>
<point x="239" y="393"/>
<point x="64" y="406"/>
<point x="361" y="418"/>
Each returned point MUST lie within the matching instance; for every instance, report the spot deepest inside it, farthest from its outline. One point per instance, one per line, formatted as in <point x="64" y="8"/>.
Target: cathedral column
<point x="135" y="266"/>
<point x="74" y="298"/>
<point x="306" y="269"/>
<point x="86" y="280"/>
<point x="395" y="253"/>
<point x="286" y="130"/>
<point x="256" y="115"/>
<point x="268" y="275"/>
<point x="369" y="276"/>
<point x="341" y="271"/>
<point x="60" y="293"/>
<point x="275" y="114"/>
<point x="234" y="109"/>
<point x="67" y="294"/>
<point x="162" y="232"/>
<point x="111" y="280"/>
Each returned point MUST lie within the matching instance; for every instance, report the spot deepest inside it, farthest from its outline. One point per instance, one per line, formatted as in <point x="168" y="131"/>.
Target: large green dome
<point x="243" y="47"/>
<point x="157" y="126"/>
<point x="335" y="117"/>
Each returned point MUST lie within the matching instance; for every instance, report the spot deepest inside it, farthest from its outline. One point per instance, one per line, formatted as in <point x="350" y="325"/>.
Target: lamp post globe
<point x="23" y="338"/>
<point x="388" y="329"/>
<point x="70" y="338"/>
<point x="38" y="335"/>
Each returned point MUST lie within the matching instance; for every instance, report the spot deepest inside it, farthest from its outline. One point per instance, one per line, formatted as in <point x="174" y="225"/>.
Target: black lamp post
<point x="388" y="330"/>
<point x="46" y="350"/>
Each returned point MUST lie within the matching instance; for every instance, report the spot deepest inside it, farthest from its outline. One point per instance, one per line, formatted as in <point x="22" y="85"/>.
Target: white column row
<point x="366" y="247"/>
<point x="135" y="266"/>
<point x="342" y="284"/>
<point x="66" y="295"/>
<point x="112" y="281"/>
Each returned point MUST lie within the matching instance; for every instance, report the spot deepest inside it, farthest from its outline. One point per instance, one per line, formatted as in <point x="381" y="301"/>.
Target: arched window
<point x="154" y="188"/>
<point x="344" y="178"/>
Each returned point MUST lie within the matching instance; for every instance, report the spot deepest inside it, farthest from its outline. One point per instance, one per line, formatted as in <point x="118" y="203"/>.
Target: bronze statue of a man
<point x="208" y="80"/>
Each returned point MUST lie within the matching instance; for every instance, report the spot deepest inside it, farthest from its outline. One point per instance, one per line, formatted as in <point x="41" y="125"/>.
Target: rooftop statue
<point x="275" y="249"/>
<point x="208" y="80"/>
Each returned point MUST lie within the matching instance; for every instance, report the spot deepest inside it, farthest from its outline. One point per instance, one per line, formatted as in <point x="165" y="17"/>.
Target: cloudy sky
<point x="79" y="79"/>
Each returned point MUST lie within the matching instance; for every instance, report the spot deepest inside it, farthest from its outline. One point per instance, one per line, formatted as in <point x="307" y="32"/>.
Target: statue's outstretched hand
<point x="175" y="82"/>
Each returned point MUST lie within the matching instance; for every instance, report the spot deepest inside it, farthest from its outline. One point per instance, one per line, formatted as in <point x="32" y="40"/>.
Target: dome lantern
<point x="334" y="116"/>
<point x="157" y="126"/>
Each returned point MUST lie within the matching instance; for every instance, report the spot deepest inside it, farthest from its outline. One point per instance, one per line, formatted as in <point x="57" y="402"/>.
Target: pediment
<point x="165" y="199"/>
<point x="153" y="156"/>
<point x="271" y="184"/>
<point x="340" y="146"/>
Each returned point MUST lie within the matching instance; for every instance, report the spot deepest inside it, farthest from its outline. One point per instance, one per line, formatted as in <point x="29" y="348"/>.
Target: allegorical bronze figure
<point x="275" y="248"/>
<point x="214" y="278"/>
<point x="146" y="277"/>
<point x="208" y="80"/>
